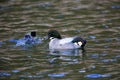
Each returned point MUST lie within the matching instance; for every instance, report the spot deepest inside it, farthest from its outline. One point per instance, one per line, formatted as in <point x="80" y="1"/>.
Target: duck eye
<point x="51" y="38"/>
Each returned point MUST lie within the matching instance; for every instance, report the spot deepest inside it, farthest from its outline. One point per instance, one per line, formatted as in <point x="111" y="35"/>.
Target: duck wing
<point x="66" y="40"/>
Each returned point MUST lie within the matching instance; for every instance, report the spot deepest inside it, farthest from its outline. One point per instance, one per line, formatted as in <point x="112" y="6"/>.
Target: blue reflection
<point x="117" y="56"/>
<point x="13" y="40"/>
<point x="82" y="71"/>
<point x="5" y="74"/>
<point x="77" y="31"/>
<point x="95" y="55"/>
<point x="103" y="54"/>
<point x="117" y="39"/>
<point x="92" y="67"/>
<point x="115" y="7"/>
<point x="97" y="75"/>
<point x="112" y="39"/>
<point x="56" y="75"/>
<point x="108" y="60"/>
<point x="1" y="43"/>
<point x="92" y="37"/>
<point x="46" y="5"/>
<point x="108" y="39"/>
<point x="15" y="71"/>
<point x="30" y="76"/>
<point x="106" y="26"/>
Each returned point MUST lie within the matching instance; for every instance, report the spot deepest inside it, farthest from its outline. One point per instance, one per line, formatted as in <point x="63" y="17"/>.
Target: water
<point x="96" y="21"/>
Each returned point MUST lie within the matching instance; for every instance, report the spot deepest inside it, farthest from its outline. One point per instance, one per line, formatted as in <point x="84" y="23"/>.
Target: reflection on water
<point x="66" y="52"/>
<point x="72" y="56"/>
<point x="97" y="75"/>
<point x="96" y="21"/>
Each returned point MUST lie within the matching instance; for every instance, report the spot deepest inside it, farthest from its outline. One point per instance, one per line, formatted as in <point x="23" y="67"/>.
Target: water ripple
<point x="97" y="75"/>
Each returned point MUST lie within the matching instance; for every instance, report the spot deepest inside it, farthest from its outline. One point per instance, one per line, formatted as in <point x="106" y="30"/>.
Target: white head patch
<point x="78" y="43"/>
<point x="51" y="38"/>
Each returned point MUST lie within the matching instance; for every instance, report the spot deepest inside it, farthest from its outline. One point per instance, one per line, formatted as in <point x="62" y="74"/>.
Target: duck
<point x="58" y="43"/>
<point x="29" y="39"/>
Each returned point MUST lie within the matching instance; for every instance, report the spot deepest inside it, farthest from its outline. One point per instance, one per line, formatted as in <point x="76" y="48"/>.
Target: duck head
<point x="30" y="35"/>
<point x="33" y="33"/>
<point x="54" y="34"/>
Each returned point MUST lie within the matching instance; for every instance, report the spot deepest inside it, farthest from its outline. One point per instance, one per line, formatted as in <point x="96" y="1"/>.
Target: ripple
<point x="115" y="7"/>
<point x="1" y="43"/>
<point x="103" y="54"/>
<point x="46" y="5"/>
<point x="97" y="75"/>
<point x="56" y="75"/>
<point x="109" y="60"/>
<point x="82" y="71"/>
<point x="30" y="76"/>
<point x="5" y="74"/>
<point x="92" y="37"/>
<point x="15" y="71"/>
<point x="94" y="55"/>
<point x="118" y="56"/>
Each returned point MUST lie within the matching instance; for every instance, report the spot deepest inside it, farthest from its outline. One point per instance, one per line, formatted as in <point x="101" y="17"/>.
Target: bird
<point x="58" y="43"/>
<point x="29" y="39"/>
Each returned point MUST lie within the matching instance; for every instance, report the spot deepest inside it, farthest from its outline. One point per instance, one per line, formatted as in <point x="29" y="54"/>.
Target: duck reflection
<point x="71" y="56"/>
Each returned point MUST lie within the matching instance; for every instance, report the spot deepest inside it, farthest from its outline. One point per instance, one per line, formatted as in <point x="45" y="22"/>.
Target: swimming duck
<point x="29" y="38"/>
<point x="57" y="42"/>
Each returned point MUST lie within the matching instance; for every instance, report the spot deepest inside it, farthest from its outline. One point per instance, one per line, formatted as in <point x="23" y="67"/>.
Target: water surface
<point x="96" y="21"/>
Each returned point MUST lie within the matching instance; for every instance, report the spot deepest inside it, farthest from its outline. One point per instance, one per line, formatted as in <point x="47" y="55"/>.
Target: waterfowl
<point x="57" y="42"/>
<point x="29" y="38"/>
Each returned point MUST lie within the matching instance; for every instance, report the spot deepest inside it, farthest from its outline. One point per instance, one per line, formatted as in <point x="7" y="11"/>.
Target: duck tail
<point x="80" y="41"/>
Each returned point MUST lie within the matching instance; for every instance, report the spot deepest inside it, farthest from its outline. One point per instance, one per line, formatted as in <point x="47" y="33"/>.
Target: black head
<point x="54" y="34"/>
<point x="33" y="33"/>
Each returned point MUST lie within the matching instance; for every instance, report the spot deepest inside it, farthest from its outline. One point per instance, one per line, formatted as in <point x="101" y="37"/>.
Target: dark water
<point x="98" y="21"/>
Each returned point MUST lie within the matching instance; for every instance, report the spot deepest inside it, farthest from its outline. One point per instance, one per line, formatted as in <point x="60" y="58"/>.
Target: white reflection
<point x="70" y="56"/>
